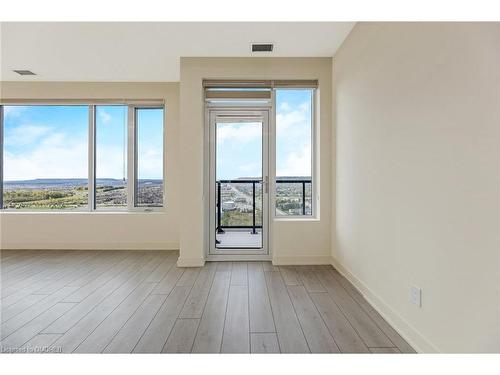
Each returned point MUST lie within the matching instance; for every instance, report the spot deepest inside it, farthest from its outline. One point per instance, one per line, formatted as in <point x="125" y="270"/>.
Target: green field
<point x="41" y="199"/>
<point x="61" y="199"/>
<point x="238" y="218"/>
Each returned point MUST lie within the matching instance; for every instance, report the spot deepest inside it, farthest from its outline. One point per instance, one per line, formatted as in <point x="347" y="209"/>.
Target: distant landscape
<point x="237" y="200"/>
<point x="72" y="194"/>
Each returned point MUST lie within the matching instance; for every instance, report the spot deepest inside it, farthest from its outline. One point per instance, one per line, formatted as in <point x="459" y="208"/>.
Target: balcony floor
<point x="236" y="237"/>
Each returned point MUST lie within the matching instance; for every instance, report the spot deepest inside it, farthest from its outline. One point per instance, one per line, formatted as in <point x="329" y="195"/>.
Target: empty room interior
<point x="245" y="187"/>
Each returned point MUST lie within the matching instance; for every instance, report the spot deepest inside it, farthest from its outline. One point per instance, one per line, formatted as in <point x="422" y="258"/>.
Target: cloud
<point x="150" y="163"/>
<point x="241" y="133"/>
<point x="285" y="107"/>
<point x="25" y="134"/>
<point x="287" y="118"/>
<point x="109" y="162"/>
<point x="296" y="163"/>
<point x="104" y="116"/>
<point x="293" y="132"/>
<point x="64" y="155"/>
<point x="55" y="156"/>
<point x="305" y="106"/>
<point x="12" y="110"/>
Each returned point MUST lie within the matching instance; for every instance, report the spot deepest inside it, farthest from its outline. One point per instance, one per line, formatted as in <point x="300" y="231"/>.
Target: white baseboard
<point x="301" y="260"/>
<point x="405" y="330"/>
<point x="190" y="262"/>
<point x="90" y="246"/>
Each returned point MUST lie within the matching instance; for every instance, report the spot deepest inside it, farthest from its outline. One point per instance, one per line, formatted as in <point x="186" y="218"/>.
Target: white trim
<point x="206" y="181"/>
<point x="301" y="260"/>
<point x="103" y="211"/>
<point x="315" y="154"/>
<point x="1" y="156"/>
<point x="295" y="218"/>
<point x="402" y="327"/>
<point x="246" y="103"/>
<point x="259" y="84"/>
<point x="130" y="157"/>
<point x="91" y="105"/>
<point x="238" y="257"/>
<point x="81" y="102"/>
<point x="190" y="262"/>
<point x="216" y="115"/>
<point x="315" y="159"/>
<point x="91" y="155"/>
<point x="135" y="158"/>
<point x="272" y="164"/>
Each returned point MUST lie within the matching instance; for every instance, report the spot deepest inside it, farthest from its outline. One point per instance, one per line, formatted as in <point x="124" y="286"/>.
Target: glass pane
<point x="45" y="157"/>
<point x="111" y="156"/>
<point x="239" y="185"/>
<point x="149" y="184"/>
<point x="294" y="152"/>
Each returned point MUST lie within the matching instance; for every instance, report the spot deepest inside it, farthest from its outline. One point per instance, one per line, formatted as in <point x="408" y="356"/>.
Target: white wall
<point x="71" y="230"/>
<point x="418" y="177"/>
<point x="303" y="241"/>
<point x="300" y="241"/>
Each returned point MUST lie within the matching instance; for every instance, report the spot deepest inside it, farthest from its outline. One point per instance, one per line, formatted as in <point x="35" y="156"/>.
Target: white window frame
<point x="1" y="157"/>
<point x="248" y="104"/>
<point x="133" y="157"/>
<point x="132" y="105"/>
<point x="315" y="216"/>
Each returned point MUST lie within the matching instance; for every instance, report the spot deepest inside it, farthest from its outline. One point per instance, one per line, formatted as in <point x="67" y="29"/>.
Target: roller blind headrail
<point x="238" y="94"/>
<point x="92" y="101"/>
<point x="262" y="84"/>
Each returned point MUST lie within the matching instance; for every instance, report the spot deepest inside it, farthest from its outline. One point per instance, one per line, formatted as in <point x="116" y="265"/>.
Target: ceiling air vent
<point x="24" y="72"/>
<point x="262" y="47"/>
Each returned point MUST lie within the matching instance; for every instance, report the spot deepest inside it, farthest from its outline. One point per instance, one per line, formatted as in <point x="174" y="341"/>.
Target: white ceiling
<point x="149" y="51"/>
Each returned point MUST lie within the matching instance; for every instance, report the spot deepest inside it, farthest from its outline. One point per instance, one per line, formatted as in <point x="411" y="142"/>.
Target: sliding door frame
<point x="240" y="107"/>
<point x="238" y="115"/>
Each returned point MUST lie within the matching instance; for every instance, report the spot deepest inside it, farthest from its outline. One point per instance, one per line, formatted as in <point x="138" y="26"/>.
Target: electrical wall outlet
<point x="416" y="296"/>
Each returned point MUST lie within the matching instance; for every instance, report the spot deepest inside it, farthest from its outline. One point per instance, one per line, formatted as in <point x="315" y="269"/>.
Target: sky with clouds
<point x="52" y="141"/>
<point x="239" y="145"/>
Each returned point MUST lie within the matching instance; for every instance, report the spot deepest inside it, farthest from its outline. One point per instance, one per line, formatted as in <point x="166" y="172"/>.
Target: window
<point x="111" y="156"/>
<point x="45" y="157"/>
<point x="46" y="164"/>
<point x="294" y="150"/>
<point x="149" y="156"/>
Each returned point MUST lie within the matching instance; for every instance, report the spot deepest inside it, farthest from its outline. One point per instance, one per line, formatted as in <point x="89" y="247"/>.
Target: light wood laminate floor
<point x="140" y="302"/>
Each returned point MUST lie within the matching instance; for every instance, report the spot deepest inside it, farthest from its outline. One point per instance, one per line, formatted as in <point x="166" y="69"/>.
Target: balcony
<point x="239" y="208"/>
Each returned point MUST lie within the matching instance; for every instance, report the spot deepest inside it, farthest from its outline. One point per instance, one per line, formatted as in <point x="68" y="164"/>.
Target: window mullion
<point x="92" y="158"/>
<point x="131" y="158"/>
<point x="1" y="156"/>
<point x="315" y="145"/>
<point x="272" y="155"/>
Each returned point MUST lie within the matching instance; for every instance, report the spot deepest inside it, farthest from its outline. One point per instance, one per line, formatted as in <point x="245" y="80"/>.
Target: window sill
<point x="124" y="212"/>
<point x="296" y="219"/>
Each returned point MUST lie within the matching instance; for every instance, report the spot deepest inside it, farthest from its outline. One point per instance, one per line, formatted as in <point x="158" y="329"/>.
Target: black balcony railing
<point x="251" y="190"/>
